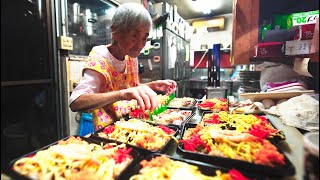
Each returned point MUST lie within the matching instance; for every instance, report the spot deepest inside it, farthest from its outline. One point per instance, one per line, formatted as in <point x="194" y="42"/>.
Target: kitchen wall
<point x="220" y="36"/>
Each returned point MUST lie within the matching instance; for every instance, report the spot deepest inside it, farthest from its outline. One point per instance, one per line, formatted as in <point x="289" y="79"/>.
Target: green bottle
<point x="265" y="27"/>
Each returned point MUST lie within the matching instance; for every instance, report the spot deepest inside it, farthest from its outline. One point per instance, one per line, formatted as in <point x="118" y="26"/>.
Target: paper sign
<point x="191" y="57"/>
<point x="187" y="53"/>
<point x="301" y="66"/>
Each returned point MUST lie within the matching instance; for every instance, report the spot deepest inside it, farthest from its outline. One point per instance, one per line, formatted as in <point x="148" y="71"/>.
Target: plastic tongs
<point x="162" y="108"/>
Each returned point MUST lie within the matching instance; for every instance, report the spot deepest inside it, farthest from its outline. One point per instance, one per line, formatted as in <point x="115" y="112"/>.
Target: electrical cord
<point x="200" y="60"/>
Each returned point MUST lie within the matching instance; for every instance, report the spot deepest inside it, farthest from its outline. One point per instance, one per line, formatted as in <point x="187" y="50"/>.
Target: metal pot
<point x="216" y="92"/>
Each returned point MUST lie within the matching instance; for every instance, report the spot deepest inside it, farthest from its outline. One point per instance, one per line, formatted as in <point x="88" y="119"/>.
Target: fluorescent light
<point x="206" y="6"/>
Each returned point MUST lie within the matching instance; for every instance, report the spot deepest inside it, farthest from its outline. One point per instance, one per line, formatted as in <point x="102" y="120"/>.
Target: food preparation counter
<point x="292" y="146"/>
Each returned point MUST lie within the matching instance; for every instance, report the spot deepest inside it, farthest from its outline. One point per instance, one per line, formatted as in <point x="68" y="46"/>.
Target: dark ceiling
<point x="188" y="11"/>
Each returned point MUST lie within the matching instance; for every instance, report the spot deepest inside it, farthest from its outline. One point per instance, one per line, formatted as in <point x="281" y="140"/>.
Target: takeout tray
<point x="276" y="138"/>
<point x="205" y="168"/>
<point x="287" y="170"/>
<point x="186" y="120"/>
<point x="207" y="110"/>
<point x="190" y="107"/>
<point x="15" y="175"/>
<point x="143" y="151"/>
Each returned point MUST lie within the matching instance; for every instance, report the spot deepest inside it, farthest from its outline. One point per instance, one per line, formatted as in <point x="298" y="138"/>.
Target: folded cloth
<point x="273" y="85"/>
<point x="288" y="88"/>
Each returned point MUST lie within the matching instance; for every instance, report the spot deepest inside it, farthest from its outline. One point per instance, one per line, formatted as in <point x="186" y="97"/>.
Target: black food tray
<point x="287" y="170"/>
<point x="178" y="126"/>
<point x="205" y="168"/>
<point x="190" y="107"/>
<point x="15" y="175"/>
<point x="126" y="118"/>
<point x="275" y="138"/>
<point x="143" y="151"/>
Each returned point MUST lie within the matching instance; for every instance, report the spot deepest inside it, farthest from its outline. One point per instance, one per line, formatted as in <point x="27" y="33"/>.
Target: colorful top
<point x="100" y="60"/>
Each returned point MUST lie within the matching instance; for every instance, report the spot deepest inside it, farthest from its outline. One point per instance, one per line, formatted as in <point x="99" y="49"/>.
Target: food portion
<point x="169" y="116"/>
<point x="162" y="167"/>
<point x="138" y="133"/>
<point x="75" y="158"/>
<point x="185" y="102"/>
<point x="215" y="105"/>
<point x="246" y="107"/>
<point x="253" y="124"/>
<point x="231" y="144"/>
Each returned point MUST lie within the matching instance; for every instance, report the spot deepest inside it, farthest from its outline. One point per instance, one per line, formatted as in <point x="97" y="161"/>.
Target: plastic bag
<point x="300" y="111"/>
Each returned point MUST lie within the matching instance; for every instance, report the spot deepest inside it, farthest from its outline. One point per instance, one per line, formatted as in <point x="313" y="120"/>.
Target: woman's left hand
<point x="168" y="86"/>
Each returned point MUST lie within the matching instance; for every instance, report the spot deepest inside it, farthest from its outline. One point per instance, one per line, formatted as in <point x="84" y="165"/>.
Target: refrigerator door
<point x="169" y="55"/>
<point x="183" y="87"/>
<point x="181" y="56"/>
<point x="187" y="73"/>
<point x="152" y="62"/>
<point x="180" y="91"/>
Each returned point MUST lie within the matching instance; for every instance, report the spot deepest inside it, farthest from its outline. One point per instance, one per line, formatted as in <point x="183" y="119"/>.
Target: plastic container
<point x="276" y="172"/>
<point x="86" y="126"/>
<point x="16" y="175"/>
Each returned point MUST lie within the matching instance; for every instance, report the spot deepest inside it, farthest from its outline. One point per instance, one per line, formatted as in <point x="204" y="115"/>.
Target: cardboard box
<point x="269" y="49"/>
<point x="302" y="18"/>
<point x="280" y="35"/>
<point x="280" y="22"/>
<point x="304" y="32"/>
<point x="298" y="47"/>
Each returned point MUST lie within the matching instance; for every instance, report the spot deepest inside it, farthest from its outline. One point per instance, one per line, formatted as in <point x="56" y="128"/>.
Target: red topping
<point x="166" y="129"/>
<point x="237" y="175"/>
<point x="122" y="155"/>
<point x="109" y="129"/>
<point x="195" y="143"/>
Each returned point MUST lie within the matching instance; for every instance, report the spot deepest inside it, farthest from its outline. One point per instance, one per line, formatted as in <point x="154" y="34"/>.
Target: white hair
<point x="129" y="15"/>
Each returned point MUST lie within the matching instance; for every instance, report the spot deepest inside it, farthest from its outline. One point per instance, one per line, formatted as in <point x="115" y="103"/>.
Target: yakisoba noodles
<point x="232" y="144"/>
<point x="241" y="123"/>
<point x="138" y="133"/>
<point x="75" y="159"/>
<point x="162" y="167"/>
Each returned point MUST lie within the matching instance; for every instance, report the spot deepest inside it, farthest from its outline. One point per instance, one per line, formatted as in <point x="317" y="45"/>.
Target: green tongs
<point x="162" y="108"/>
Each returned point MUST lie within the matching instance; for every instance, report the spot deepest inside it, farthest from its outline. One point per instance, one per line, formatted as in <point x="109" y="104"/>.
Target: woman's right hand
<point x="146" y="97"/>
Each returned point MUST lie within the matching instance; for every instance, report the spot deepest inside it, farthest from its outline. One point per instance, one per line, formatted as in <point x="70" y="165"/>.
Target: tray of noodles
<point x="160" y="166"/>
<point x="229" y="148"/>
<point x="172" y="117"/>
<point x="186" y="103"/>
<point x="138" y="134"/>
<point x="75" y="157"/>
<point x="214" y="105"/>
<point x="256" y="125"/>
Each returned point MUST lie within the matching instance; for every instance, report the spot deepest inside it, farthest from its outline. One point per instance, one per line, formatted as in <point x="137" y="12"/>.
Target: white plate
<point x="273" y="95"/>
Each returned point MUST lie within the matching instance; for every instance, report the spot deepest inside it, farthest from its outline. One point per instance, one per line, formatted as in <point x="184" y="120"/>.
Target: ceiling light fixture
<point x="206" y="6"/>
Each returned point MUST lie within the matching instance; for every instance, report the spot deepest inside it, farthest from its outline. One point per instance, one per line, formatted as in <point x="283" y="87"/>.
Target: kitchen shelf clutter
<point x="291" y="36"/>
<point x="274" y="31"/>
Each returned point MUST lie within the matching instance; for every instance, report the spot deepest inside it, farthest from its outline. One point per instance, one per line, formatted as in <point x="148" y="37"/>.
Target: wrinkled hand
<point x="168" y="86"/>
<point x="146" y="97"/>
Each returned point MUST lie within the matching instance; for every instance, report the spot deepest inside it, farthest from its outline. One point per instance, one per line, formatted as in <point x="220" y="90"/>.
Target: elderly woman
<point x="110" y="75"/>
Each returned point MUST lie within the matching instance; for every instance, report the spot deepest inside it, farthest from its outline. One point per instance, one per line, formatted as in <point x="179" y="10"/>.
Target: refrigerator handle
<point x="176" y="70"/>
<point x="184" y="69"/>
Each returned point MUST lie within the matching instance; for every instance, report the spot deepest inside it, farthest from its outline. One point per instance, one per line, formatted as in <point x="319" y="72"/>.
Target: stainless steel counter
<point x="292" y="146"/>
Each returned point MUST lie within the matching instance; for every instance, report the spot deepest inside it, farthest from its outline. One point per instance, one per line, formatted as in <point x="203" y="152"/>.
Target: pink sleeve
<point x="89" y="84"/>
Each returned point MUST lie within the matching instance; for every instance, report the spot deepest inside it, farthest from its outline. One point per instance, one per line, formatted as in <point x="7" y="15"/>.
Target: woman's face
<point x="132" y="40"/>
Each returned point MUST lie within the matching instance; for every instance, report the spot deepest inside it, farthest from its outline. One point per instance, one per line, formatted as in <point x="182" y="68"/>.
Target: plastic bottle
<point x="265" y="27"/>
